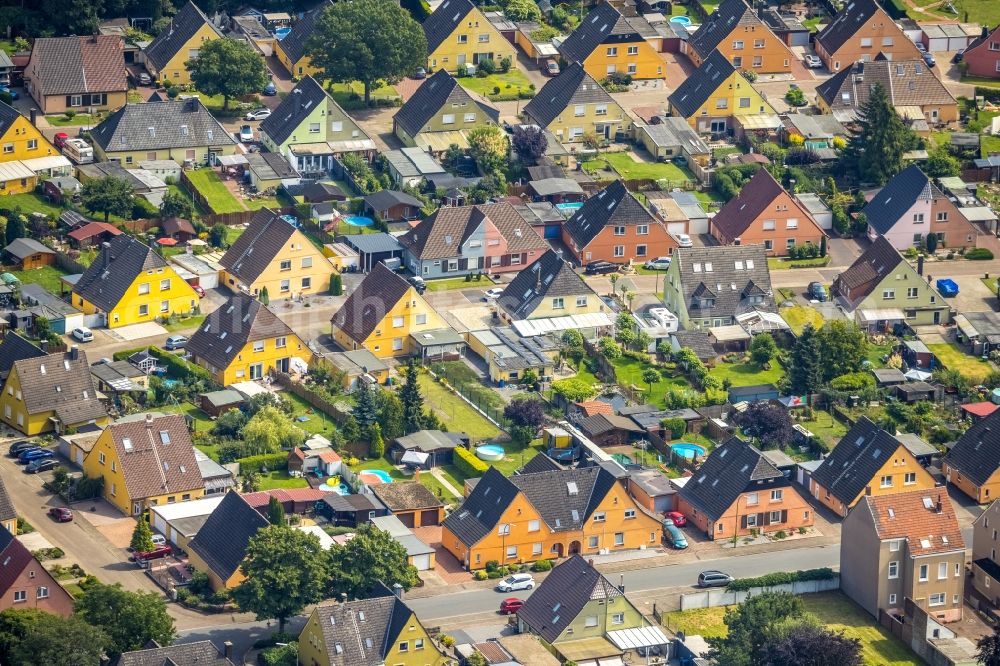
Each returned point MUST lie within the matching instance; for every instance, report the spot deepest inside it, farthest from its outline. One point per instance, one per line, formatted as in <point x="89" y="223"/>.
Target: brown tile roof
<point x="258" y="246"/>
<point x="225" y="332"/>
<point x="156" y="455"/>
<point x="202" y="653"/>
<point x="925" y="518"/>
<point x="177" y="225"/>
<point x="867" y="271"/>
<point x="442" y="234"/>
<point x="406" y="496"/>
<point x="906" y="82"/>
<point x="59" y="383"/>
<point x="592" y="407"/>
<point x="367" y="305"/>
<point x="92" y="229"/>
<point x="74" y="65"/>
<point x="493" y="651"/>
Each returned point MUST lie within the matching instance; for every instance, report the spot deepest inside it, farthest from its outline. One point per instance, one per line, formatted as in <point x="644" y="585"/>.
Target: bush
<point x="780" y="578"/>
<point x="23" y="526"/>
<point x="274" y="639"/>
<point x="675" y="426"/>
<point x="53" y="553"/>
<point x="542" y="565"/>
<point x="281" y="655"/>
<point x="467" y="462"/>
<point x="271" y="461"/>
<point x="178" y="368"/>
<point x="979" y="254"/>
<point x="480" y="575"/>
<point x="89" y="488"/>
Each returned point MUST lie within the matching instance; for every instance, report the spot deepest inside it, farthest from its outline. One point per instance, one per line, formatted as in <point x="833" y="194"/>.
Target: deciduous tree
<point x="109" y="195"/>
<point x="490" y="147"/>
<point x="31" y="637"/>
<point x="763" y="349"/>
<point x="529" y="143"/>
<point x="175" y="204"/>
<point x="752" y="627"/>
<point x="769" y="424"/>
<point x="371" y="556"/>
<point x="528" y="412"/>
<point x="227" y="67"/>
<point x="270" y="430"/>
<point x="14" y="228"/>
<point x="130" y="619"/>
<point x="987" y="649"/>
<point x="843" y="347"/>
<point x="809" y="645"/>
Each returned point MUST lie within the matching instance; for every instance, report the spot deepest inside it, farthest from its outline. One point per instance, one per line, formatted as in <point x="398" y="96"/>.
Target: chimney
<point x="397" y="591"/>
<point x="920" y="264"/>
<point x="149" y="420"/>
<point x="106" y="251"/>
<point x="227" y="649"/>
<point x="34" y="116"/>
<point x="621" y="583"/>
<point x="44" y="346"/>
<point x="985" y="33"/>
<point x="868" y="490"/>
<point x="591" y="563"/>
<point x="74" y="352"/>
<point x="937" y="505"/>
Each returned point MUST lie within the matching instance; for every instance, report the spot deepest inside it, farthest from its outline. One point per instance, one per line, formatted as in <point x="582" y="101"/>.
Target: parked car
<point x="258" y="114"/>
<point x="713" y="578"/>
<point x="920" y="47"/>
<point x="511" y="605"/>
<point x="521" y="581"/>
<point x="551" y="67"/>
<point x="418" y="283"/>
<point x="145" y="79"/>
<point x="600" y="268"/>
<point x="199" y="290"/>
<point x="175" y="342"/>
<point x="246" y="133"/>
<point x="494" y="292"/>
<point x="674" y="536"/>
<point x="929" y="59"/>
<point x="83" y="334"/>
<point x="59" y="140"/>
<point x="959" y="55"/>
<point x="677" y="517"/>
<point x="157" y="553"/>
<point x="13" y="93"/>
<point x="813" y="61"/>
<point x="42" y="465"/>
<point x="421" y="73"/>
<point x="269" y="90"/>
<point x="683" y="240"/>
<point x="21" y="445"/>
<point x="61" y="514"/>
<point x="816" y="292"/>
<point x="158" y="540"/>
<point x="658" y="264"/>
<point x="34" y="454"/>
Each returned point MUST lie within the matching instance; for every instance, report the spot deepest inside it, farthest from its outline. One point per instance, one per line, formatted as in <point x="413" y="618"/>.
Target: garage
<point x="421" y="562"/>
<point x="160" y="525"/>
<point x="935" y="40"/>
<point x="202" y="272"/>
<point x="405" y="518"/>
<point x="677" y="228"/>
<point x="429" y="517"/>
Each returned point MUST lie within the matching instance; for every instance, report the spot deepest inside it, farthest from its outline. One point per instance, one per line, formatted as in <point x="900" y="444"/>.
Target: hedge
<point x="467" y="462"/>
<point x="780" y="578"/>
<point x="979" y="254"/>
<point x="179" y="368"/>
<point x="272" y="461"/>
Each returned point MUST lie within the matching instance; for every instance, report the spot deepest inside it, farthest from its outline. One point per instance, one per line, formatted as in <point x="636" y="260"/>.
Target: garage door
<point x="159" y="523"/>
<point x="677" y="227"/>
<point x="553" y="231"/>
<point x="422" y="562"/>
<point x="429" y="517"/>
<point x="406" y="519"/>
<point x="208" y="280"/>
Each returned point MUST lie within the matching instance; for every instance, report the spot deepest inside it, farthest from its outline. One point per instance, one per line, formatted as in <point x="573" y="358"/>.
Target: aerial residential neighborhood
<point x="454" y="333"/>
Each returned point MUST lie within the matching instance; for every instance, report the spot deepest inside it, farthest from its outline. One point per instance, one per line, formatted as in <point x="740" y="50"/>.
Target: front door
<point x="574" y="547"/>
<point x="257" y="371"/>
<point x="937" y="317"/>
<point x="136" y="508"/>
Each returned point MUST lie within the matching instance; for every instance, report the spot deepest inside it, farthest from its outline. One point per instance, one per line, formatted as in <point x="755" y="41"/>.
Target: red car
<point x="198" y="290"/>
<point x="60" y="139"/>
<point x="155" y="554"/>
<point x="511" y="605"/>
<point x="677" y="517"/>
<point x="61" y="514"/>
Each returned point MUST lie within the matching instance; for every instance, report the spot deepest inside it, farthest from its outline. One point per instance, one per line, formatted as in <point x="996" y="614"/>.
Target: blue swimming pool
<point x="490" y="452"/>
<point x="570" y="205"/>
<point x="359" y="220"/>
<point x="684" y="20"/>
<point x="380" y="475"/>
<point x="294" y="221"/>
<point x="340" y="489"/>
<point x="688" y="450"/>
<point x="281" y="33"/>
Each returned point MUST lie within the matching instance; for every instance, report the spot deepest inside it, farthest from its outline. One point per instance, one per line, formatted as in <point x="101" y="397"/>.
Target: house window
<point x="738" y="44"/>
<point x="894" y="545"/>
<point x="258" y="346"/>
<point x="19" y="596"/>
<point x="776" y="495"/>
<point x="642" y="229"/>
<point x="752" y="520"/>
<point x="886" y="481"/>
<point x="909" y="478"/>
<point x="892" y="599"/>
<point x="307" y="262"/>
<point x="533" y="526"/>
<point x="942" y="570"/>
<point x="894" y="569"/>
<point x="463" y="39"/>
<point x="511" y="552"/>
<point x="165" y="285"/>
<point x="164" y="306"/>
<point x="590" y="621"/>
<point x="942" y="216"/>
<point x="404" y="646"/>
<point x="579" y="111"/>
<point x="536" y="549"/>
<point x="448" y="118"/>
<point x="314" y="128"/>
<point x="397" y="344"/>
<point x="918" y="218"/>
<point x="758" y="61"/>
<point x="775" y="516"/>
<point x="421" y="319"/>
<point x="744" y="102"/>
<point x="752" y="499"/>
<point x="280" y="342"/>
<point x="43" y="593"/>
<point x="470" y="117"/>
<point x="866" y="42"/>
<point x="286" y="264"/>
<point x="143" y="288"/>
<point x="640" y="250"/>
<point x="619" y="231"/>
<point x="618" y="618"/>
<point x="418" y="644"/>
<point x="32" y="144"/>
<point x="581" y="301"/>
<point x="791" y="223"/>
<point x="790" y="243"/>
<point x="600" y="517"/>
<point x="619" y="538"/>
<point x="923" y="573"/>
<point x="619" y="250"/>
<point x="307" y="283"/>
<point x="768" y="225"/>
<point x="601" y="110"/>
<point x="632" y="69"/>
<point x="101" y="458"/>
<point x="633" y="50"/>
<point x="758" y="43"/>
<point x="937" y="599"/>
<point x="612" y="51"/>
<point x="888" y="294"/>
<point x="337" y="126"/>
<point x="912" y="292"/>
<point x="887" y="41"/>
<point x="144" y="310"/>
<point x="285" y="285"/>
<point x="503" y="529"/>
<point x="484" y="39"/>
<point x="722" y="103"/>
<point x="397" y="322"/>
<point x="76" y="100"/>
<point x="557" y="303"/>
<point x="592" y="542"/>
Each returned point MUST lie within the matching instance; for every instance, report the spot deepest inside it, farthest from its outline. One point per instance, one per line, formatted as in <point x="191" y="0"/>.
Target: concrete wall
<point x="719" y="597"/>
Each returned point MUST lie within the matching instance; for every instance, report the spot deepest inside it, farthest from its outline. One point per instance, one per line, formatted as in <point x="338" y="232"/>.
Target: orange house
<point x="743" y="37"/>
<point x="866" y="461"/>
<point x="859" y="33"/>
<point x="737" y="491"/>
<point x="971" y="465"/>
<point x="613" y="226"/>
<point x="763" y="213"/>
<point x="546" y="515"/>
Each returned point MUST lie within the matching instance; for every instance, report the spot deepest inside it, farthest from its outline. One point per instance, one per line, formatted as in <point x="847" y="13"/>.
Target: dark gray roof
<point x="350" y="641"/>
<point x="7" y="510"/>
<point x="202" y="653"/>
<point x="368" y="305"/>
<point x="372" y="243"/>
<point x="258" y="246"/>
<point x="697" y="88"/>
<point x="855" y="460"/>
<point x="294" y="109"/>
<point x="612" y="206"/>
<point x="431" y="440"/>
<point x="225" y="332"/>
<point x="321" y="191"/>
<point x="540" y="463"/>
<point x="604" y="24"/>
<point x="897" y="197"/>
<point x="442" y="235"/>
<point x="294" y="44"/>
<point x="440" y="90"/>
<point x="483" y="508"/>
<point x="697" y="342"/>
<point x="864" y="275"/>
<point x="572" y="86"/>
<point x="108" y="278"/>
<point x="440" y="24"/>
<point x="386" y="199"/>
<point x="845" y="24"/>
<point x="548" y="277"/>
<point x="599" y="424"/>
<point x="77" y="65"/>
<point x="25" y="247"/>
<point x="563" y="595"/>
<point x="726" y="18"/>
<point x="353" y="503"/>
<point x="407" y="496"/>
<point x="222" y="541"/>
<point x="711" y="271"/>
<point x="731" y="469"/>
<point x="15" y="348"/>
<point x="171" y="124"/>
<point x="176" y="35"/>
<point x="976" y="454"/>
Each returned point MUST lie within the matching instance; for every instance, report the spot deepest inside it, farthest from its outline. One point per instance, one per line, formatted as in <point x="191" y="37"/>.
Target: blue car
<point x="37" y="454"/>
<point x="674" y="536"/>
<point x="13" y="93"/>
<point x="269" y="90"/>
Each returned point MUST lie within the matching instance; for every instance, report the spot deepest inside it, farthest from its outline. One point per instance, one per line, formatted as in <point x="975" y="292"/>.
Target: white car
<point x="494" y="292"/>
<point x="246" y="133"/>
<point x="813" y="61"/>
<point x="158" y="540"/>
<point x="658" y="264"/>
<point x="683" y="240"/>
<point x="83" y="334"/>
<point x="521" y="581"/>
<point x="259" y="114"/>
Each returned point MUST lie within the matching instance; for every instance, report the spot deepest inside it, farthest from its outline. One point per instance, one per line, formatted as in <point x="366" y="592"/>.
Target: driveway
<point x="843" y="251"/>
<point x="137" y="331"/>
<point x="109" y="521"/>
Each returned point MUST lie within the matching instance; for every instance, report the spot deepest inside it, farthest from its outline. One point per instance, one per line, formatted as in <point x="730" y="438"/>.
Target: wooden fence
<point x="63" y="262"/>
<point x="314" y="399"/>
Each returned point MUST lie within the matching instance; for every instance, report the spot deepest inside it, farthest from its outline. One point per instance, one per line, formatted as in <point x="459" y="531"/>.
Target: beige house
<point x="77" y="73"/>
<point x="441" y="113"/>
<point x="985" y="545"/>
<point x="574" y="104"/>
<point x="904" y="546"/>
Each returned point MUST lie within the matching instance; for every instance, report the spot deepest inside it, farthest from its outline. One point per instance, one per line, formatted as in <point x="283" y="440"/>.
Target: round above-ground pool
<point x="570" y="205"/>
<point x="490" y="452"/>
<point x="340" y="489"/>
<point x="359" y="220"/>
<point x="688" y="450"/>
<point x="684" y="20"/>
<point x="281" y="33"/>
<point x="375" y="475"/>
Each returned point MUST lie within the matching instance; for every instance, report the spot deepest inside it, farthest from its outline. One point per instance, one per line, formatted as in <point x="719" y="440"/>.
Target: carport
<point x="731" y="337"/>
<point x="649" y="640"/>
<point x="880" y="319"/>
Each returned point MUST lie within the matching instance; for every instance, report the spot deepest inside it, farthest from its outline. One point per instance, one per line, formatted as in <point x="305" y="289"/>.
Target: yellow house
<point x="272" y="254"/>
<point x="291" y="51"/>
<point x="8" y="514"/>
<point x="381" y="629"/>
<point x="548" y="288"/>
<point x="244" y="340"/>
<point x="382" y="313"/>
<point x="866" y="461"/>
<point x="574" y="104"/>
<point x="130" y="283"/>
<point x="220" y="546"/>
<point x="458" y="33"/>
<point x="607" y="43"/>
<point x="441" y="113"/>
<point x="509" y="356"/>
<point x="146" y="460"/>
<point x="51" y="393"/>
<point x="179" y="42"/>
<point x="20" y="141"/>
<point x="715" y="93"/>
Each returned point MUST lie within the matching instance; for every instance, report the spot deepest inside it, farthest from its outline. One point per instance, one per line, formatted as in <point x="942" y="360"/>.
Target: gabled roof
<point x="408" y="496"/>
<point x="258" y="246"/>
<point x="563" y="595"/>
<point x="174" y="124"/>
<point x="432" y="96"/>
<point x="241" y="320"/>
<point x="612" y="206"/>
<point x="15" y="557"/>
<point x="983" y="38"/>
<point x="755" y="197"/>
<point x="482" y="509"/>
<point x="692" y="94"/>
<point x="602" y="22"/>
<point x="108" y="278"/>
<point x="7" y="510"/>
<point x="156" y="455"/>
<point x="178" y="225"/>
<point x="386" y="199"/>
<point x="368" y="305"/>
<point x="177" y="34"/>
<point x="76" y="65"/>
<point x="8" y="116"/>
<point x="222" y="541"/>
<point x="855" y="460"/>
<point x="295" y="42"/>
<point x="362" y="632"/>
<point x="572" y="86"/>
<point x="906" y="82"/>
<point x="731" y="469"/>
<point x="728" y="16"/>
<point x="714" y="271"/>
<point x="548" y="277"/>
<point x="976" y="454"/>
<point x="442" y="22"/>
<point x="441" y="235"/>
<point x="864" y="275"/>
<point x="15" y="348"/>
<point x="898" y="195"/>
<point x="61" y="384"/>
<point x="924" y="518"/>
<point x="202" y="653"/>
<point x="845" y="24"/>
<point x="307" y="95"/>
<point x="91" y="229"/>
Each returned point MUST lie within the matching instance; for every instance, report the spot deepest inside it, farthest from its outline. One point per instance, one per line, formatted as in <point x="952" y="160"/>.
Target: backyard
<point x="746" y="373"/>
<point x="31" y="203"/>
<point x="210" y="186"/>
<point x="825" y="427"/>
<point x="831" y="610"/>
<point x="798" y="316"/>
<point x="953" y="358"/>
<point x="280" y="478"/>
<point x="627" y="167"/>
<point x="510" y="83"/>
<point x="628" y="371"/>
<point x="46" y="276"/>
<point x="457" y="415"/>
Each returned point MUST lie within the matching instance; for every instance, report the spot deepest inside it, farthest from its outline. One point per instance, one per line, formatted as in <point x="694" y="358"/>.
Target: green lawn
<point x="831" y="610"/>
<point x="232" y="233"/>
<point x="779" y="263"/>
<point x="824" y="426"/>
<point x="953" y="358"/>
<point x="280" y="479"/>
<point x="457" y="414"/>
<point x="813" y="24"/>
<point x="47" y="276"/>
<point x="798" y="316"/>
<point x="628" y="168"/>
<point x="351" y="96"/>
<point x="185" y="323"/>
<point x="628" y="371"/>
<point x="31" y="203"/>
<point x="210" y="186"/>
<point x="988" y="145"/>
<point x="79" y="120"/>
<point x="991" y="284"/>
<point x="447" y="284"/>
<point x="316" y="421"/>
<point x="747" y="374"/>
<point x="510" y="83"/>
<point x="985" y="12"/>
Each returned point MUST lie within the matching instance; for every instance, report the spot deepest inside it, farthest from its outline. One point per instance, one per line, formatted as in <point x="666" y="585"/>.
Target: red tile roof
<point x="925" y="518"/>
<point x="93" y="229"/>
<point x="296" y="495"/>
<point x="592" y="407"/>
<point x="980" y="408"/>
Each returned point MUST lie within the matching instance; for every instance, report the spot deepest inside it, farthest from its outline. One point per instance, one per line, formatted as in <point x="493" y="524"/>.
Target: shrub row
<point x="979" y="254"/>
<point x="272" y="461"/>
<point x="467" y="462"/>
<point x="179" y="368"/>
<point x="780" y="578"/>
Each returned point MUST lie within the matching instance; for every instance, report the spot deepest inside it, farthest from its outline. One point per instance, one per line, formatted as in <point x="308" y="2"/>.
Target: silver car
<point x="521" y="581"/>
<point x="259" y="114"/>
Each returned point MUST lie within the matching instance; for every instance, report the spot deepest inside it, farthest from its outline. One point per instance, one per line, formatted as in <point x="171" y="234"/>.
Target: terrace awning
<point x="639" y="637"/>
<point x="231" y="160"/>
<point x="732" y="333"/>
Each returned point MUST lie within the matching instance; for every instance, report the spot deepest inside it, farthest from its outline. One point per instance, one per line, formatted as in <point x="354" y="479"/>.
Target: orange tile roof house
<point x="764" y="213"/>
<point x="736" y="30"/>
<point x="860" y="32"/>
<point x="77" y="73"/>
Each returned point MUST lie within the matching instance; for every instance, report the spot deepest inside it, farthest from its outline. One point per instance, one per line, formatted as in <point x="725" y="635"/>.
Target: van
<point x="79" y="151"/>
